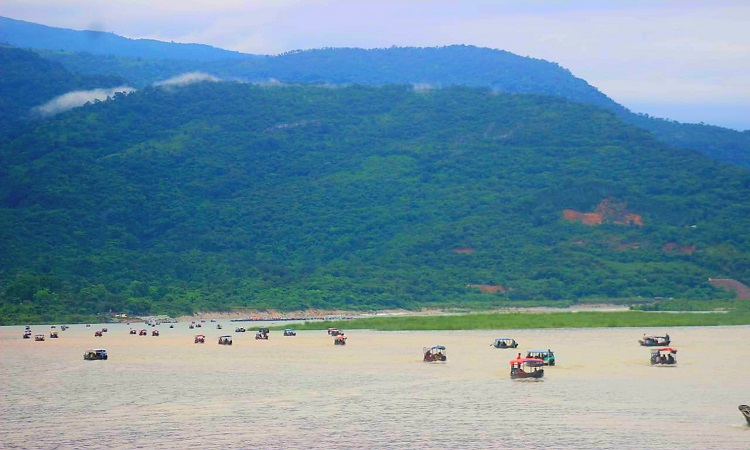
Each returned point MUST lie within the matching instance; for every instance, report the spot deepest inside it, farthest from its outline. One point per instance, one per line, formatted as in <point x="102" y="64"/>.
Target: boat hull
<point x="745" y="410"/>
<point x="520" y="376"/>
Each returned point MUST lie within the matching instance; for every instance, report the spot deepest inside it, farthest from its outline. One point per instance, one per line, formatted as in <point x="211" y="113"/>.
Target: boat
<point x="104" y="330"/>
<point x="334" y="332"/>
<point x="663" y="356"/>
<point x="262" y="334"/>
<point x="504" y="343"/>
<point x="98" y="354"/>
<point x="526" y="368"/>
<point x="745" y="410"/>
<point x="339" y="339"/>
<point x="53" y="335"/>
<point x="290" y="332"/>
<point x="436" y="353"/>
<point x="155" y="333"/>
<point x="143" y="333"/>
<point x="38" y="337"/>
<point x="200" y="338"/>
<point x="171" y="325"/>
<point x="239" y="330"/>
<point x="132" y="331"/>
<point x="225" y="340"/>
<point x="27" y="334"/>
<point x="191" y="326"/>
<point x="548" y="356"/>
<point x="654" y="341"/>
<point x="98" y="334"/>
<point x="218" y="326"/>
<point x="64" y="327"/>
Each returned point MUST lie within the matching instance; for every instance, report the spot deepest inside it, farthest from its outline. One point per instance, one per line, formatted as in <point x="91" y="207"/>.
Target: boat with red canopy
<point x="526" y="368"/>
<point x="663" y="356"/>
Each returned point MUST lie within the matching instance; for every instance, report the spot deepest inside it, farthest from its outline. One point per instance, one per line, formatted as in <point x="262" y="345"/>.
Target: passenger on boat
<point x="670" y="359"/>
<point x="663" y="359"/>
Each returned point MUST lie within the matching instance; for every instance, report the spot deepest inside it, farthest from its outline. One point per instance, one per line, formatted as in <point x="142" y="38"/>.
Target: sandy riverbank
<point x="312" y="314"/>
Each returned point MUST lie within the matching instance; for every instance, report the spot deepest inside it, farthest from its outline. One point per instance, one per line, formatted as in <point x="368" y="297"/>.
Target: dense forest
<point x="224" y="194"/>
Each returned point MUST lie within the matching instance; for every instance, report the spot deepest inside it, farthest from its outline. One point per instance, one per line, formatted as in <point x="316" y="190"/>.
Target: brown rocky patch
<point x="608" y="211"/>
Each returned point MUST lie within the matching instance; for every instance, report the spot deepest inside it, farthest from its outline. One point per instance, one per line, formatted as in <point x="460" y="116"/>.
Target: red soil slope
<point x="742" y="291"/>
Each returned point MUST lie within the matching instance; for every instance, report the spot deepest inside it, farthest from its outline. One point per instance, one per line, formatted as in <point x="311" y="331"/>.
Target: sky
<point x="682" y="60"/>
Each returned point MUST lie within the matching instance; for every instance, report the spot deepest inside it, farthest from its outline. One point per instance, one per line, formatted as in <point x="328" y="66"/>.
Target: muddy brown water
<point x="375" y="392"/>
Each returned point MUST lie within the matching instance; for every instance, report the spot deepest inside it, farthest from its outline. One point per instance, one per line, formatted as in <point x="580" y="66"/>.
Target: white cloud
<point x="75" y="99"/>
<point x="187" y="78"/>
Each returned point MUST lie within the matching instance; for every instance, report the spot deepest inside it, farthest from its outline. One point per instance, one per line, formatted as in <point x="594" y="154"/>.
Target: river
<point x="375" y="392"/>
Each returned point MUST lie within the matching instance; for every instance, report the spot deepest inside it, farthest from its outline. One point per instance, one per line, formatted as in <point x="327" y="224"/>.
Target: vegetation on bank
<point x="500" y="321"/>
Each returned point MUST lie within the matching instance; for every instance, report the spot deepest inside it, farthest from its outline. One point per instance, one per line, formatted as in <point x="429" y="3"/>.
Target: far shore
<point x="335" y="314"/>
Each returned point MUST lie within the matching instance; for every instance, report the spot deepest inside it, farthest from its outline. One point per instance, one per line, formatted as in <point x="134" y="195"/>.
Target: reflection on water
<point x="375" y="392"/>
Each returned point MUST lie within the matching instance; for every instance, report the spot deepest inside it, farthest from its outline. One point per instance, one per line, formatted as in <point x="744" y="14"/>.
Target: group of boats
<point x="530" y="366"/>
<point x="664" y="355"/>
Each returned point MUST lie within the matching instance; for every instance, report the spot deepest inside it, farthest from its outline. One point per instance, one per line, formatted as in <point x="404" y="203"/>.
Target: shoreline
<point x="255" y="315"/>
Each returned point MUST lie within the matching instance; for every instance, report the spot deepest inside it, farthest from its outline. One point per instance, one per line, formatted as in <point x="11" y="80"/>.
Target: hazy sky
<point x="684" y="60"/>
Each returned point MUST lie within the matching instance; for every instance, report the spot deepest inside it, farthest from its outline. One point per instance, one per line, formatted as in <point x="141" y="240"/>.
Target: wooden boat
<point x="334" y="332"/>
<point x="98" y="354"/>
<point x="98" y="334"/>
<point x="38" y="337"/>
<point x="143" y="333"/>
<point x="239" y="330"/>
<point x="53" y="335"/>
<point x="654" y="341"/>
<point x="290" y="332"/>
<point x="436" y="353"/>
<point x="262" y="334"/>
<point x="526" y="368"/>
<point x="27" y="334"/>
<point x="132" y="331"/>
<point x="155" y="333"/>
<point x="200" y="338"/>
<point x="548" y="356"/>
<point x="504" y="343"/>
<point x="663" y="356"/>
<point x="745" y="410"/>
<point x="225" y="340"/>
<point x="339" y="339"/>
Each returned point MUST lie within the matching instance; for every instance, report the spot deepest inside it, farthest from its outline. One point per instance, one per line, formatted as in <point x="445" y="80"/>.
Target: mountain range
<point x="349" y="178"/>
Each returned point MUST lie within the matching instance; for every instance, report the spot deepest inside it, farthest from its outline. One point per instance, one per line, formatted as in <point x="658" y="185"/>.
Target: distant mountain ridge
<point x="24" y="34"/>
<point x="143" y="62"/>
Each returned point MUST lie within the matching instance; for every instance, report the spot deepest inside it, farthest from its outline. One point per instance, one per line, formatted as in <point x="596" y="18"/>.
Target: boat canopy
<point x="544" y="352"/>
<point x="666" y="349"/>
<point x="437" y="347"/>
<point x="223" y="336"/>
<point x="534" y="362"/>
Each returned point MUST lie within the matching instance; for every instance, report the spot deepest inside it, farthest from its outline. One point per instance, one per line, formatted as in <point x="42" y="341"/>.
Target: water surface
<point x="304" y="392"/>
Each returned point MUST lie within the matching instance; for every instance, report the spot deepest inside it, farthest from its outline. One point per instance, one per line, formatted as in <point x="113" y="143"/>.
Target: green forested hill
<point x="225" y="194"/>
<point x="27" y="81"/>
<point x="457" y="65"/>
